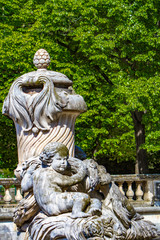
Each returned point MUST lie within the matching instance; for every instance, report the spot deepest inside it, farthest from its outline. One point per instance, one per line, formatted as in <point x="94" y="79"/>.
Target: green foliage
<point x="109" y="48"/>
<point x="6" y="173"/>
<point x="8" y="150"/>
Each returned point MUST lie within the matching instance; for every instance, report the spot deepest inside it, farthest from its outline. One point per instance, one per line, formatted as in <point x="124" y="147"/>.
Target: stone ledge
<point x="6" y="214"/>
<point x="147" y="209"/>
<point x="135" y="177"/>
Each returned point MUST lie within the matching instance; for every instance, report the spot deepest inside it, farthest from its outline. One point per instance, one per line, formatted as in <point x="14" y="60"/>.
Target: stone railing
<point x="10" y="191"/>
<point x="139" y="189"/>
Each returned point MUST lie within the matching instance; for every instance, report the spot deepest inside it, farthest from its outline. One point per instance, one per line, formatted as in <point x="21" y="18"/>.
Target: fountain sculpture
<point x="65" y="197"/>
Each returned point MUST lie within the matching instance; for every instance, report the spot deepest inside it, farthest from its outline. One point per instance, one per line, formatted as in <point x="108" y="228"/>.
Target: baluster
<point x="139" y="192"/>
<point x="130" y="192"/>
<point x="120" y="185"/>
<point x="148" y="192"/>
<point x="18" y="196"/>
<point x="7" y="197"/>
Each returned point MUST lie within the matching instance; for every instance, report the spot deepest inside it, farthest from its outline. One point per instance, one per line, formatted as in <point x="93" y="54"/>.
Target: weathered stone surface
<point x="8" y="231"/>
<point x="149" y="213"/>
<point x="44" y="108"/>
<point x="75" y="201"/>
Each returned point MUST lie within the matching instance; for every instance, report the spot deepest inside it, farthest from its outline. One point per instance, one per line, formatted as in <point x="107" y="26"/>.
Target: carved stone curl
<point x="76" y="200"/>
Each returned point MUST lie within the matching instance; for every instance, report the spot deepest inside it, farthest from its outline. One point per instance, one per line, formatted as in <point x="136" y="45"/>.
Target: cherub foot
<point x="95" y="211"/>
<point x="80" y="215"/>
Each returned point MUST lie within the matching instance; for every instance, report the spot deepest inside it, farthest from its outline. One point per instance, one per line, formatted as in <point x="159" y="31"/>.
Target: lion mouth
<point x="32" y="89"/>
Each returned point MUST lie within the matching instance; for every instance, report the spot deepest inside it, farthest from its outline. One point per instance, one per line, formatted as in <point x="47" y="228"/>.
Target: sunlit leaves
<point x="111" y="51"/>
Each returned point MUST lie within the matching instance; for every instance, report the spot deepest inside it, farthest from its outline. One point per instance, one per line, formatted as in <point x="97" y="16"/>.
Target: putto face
<point x="59" y="162"/>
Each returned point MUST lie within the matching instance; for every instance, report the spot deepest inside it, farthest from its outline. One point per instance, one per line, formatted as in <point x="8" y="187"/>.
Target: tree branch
<point x="81" y="55"/>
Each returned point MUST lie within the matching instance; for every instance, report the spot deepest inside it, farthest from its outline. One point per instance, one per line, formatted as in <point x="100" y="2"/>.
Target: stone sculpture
<point x="44" y="108"/>
<point x="73" y="199"/>
<point x="52" y="178"/>
<point x="65" y="197"/>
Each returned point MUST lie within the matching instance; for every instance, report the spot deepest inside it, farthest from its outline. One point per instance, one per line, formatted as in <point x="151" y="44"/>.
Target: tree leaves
<point x="109" y="48"/>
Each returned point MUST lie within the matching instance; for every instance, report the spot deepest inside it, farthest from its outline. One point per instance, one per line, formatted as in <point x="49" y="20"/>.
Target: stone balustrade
<point x="139" y="189"/>
<point x="10" y="191"/>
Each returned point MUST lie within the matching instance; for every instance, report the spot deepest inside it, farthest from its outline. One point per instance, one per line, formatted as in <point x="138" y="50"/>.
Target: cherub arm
<point x="80" y="172"/>
<point x="27" y="173"/>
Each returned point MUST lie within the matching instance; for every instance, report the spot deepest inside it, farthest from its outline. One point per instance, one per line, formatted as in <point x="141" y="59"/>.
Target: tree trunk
<point x="141" y="165"/>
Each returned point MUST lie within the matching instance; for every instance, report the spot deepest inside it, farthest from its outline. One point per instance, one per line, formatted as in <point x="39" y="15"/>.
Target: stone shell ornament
<point x="41" y="59"/>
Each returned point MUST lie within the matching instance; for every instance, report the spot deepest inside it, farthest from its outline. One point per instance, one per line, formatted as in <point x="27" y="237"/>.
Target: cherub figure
<point x="52" y="179"/>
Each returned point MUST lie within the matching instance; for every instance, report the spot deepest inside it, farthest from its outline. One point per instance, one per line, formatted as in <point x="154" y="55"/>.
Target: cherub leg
<point x="95" y="207"/>
<point x="81" y="200"/>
